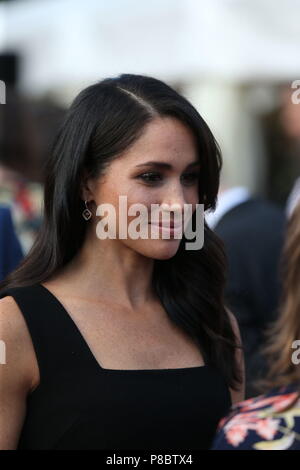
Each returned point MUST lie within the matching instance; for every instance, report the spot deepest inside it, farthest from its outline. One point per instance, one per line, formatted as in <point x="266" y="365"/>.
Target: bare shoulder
<point x="16" y="372"/>
<point x="20" y="360"/>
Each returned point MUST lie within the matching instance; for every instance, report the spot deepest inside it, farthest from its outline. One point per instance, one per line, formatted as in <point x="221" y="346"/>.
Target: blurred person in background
<point x="19" y="167"/>
<point x="272" y="421"/>
<point x="10" y="249"/>
<point x="281" y="131"/>
<point x="27" y="130"/>
<point x="252" y="230"/>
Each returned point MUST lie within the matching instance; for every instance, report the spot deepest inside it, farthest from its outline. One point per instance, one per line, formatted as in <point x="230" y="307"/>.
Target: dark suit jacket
<point x="10" y="249"/>
<point x="253" y="234"/>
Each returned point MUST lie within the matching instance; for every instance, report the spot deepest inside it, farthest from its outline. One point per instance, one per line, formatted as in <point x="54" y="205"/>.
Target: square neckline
<point x="91" y="355"/>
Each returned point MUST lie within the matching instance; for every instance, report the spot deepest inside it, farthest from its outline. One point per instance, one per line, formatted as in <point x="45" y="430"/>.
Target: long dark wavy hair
<point x="103" y="121"/>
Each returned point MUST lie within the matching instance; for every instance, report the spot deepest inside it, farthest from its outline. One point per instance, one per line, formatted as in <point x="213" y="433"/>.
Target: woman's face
<point x="168" y="181"/>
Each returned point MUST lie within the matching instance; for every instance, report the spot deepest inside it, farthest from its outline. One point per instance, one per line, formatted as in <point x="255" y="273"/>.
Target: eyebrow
<point x="167" y="166"/>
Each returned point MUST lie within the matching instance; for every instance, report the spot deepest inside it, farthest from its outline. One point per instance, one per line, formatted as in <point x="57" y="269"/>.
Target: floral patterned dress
<point x="266" y="422"/>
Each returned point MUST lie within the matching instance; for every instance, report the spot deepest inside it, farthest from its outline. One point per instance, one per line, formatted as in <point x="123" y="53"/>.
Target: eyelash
<point x="144" y="176"/>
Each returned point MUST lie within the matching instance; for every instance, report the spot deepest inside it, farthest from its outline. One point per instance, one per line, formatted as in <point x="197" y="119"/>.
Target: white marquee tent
<point x="76" y="41"/>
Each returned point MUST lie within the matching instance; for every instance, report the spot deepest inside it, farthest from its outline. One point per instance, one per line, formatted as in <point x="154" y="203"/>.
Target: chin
<point x="163" y="249"/>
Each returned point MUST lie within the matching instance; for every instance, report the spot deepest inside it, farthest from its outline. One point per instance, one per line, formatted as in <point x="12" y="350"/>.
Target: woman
<point x="272" y="421"/>
<point x="128" y="344"/>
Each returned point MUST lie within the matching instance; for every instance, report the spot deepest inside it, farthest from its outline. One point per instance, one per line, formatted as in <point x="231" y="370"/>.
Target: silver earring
<point x="86" y="214"/>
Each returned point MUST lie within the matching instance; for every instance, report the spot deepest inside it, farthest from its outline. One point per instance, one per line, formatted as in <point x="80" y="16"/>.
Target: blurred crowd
<point x="27" y="130"/>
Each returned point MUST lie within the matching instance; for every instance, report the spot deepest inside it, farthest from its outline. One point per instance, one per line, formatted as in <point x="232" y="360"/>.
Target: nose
<point x="174" y="200"/>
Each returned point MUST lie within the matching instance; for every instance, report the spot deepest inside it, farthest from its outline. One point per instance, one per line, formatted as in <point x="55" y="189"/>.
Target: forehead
<point x="164" y="139"/>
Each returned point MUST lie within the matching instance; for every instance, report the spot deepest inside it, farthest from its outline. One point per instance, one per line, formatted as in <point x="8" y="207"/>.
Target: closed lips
<point x="170" y="225"/>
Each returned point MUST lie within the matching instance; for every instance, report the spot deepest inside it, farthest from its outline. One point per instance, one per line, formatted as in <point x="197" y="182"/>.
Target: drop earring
<point x="86" y="214"/>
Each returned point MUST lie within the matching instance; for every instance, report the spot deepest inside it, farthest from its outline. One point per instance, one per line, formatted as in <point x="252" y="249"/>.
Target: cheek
<point x="192" y="197"/>
<point x="110" y="192"/>
<point x="140" y="195"/>
<point x="130" y="196"/>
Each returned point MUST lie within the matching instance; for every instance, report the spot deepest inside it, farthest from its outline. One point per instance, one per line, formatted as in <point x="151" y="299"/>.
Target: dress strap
<point x="55" y="343"/>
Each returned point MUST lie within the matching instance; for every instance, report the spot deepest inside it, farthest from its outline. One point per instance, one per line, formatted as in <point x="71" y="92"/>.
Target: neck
<point x="108" y="269"/>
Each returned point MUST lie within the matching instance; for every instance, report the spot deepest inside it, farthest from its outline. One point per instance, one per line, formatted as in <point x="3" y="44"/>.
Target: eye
<point x="153" y="178"/>
<point x="150" y="177"/>
<point x="190" y="178"/>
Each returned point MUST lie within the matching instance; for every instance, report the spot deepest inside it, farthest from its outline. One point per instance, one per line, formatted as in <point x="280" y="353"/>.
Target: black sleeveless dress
<point x="80" y="405"/>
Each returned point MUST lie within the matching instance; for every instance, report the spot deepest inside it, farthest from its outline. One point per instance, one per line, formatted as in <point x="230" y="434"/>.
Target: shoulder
<point x="5" y="215"/>
<point x="18" y="357"/>
<point x="4" y="211"/>
<point x="10" y="316"/>
<point x="249" y="219"/>
<point x="266" y="422"/>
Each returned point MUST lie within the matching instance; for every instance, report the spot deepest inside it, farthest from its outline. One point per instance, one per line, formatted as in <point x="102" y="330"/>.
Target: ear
<point x="86" y="187"/>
